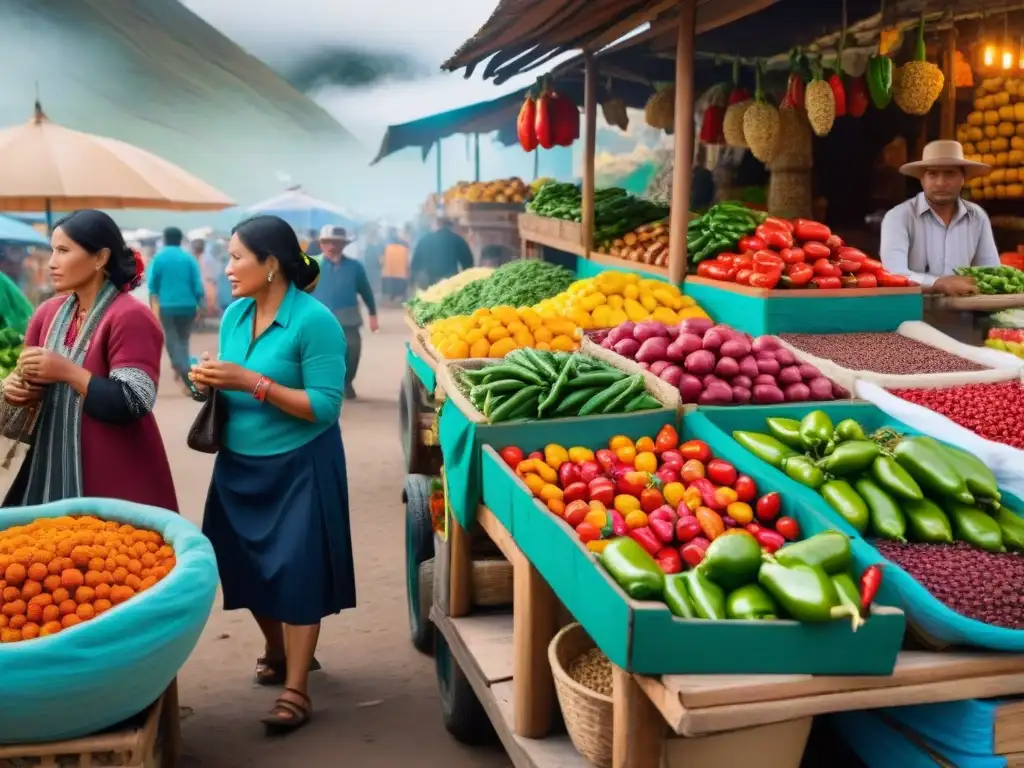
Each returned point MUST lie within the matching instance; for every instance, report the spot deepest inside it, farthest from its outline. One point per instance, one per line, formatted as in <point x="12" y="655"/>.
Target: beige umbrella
<point x="45" y="167"/>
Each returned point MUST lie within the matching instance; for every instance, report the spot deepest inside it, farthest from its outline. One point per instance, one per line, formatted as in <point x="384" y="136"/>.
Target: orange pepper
<point x="626" y="454"/>
<point x="547" y="474"/>
<point x="555" y="455"/>
<point x="575" y="511"/>
<point x="597" y="518"/>
<point x="557" y="506"/>
<point x="587" y="532"/>
<point x="534" y="483"/>
<point x="578" y="454"/>
<point x="673" y="493"/>
<point x="549" y="492"/>
<point x="710" y="522"/>
<point x="726" y="496"/>
<point x="624" y="504"/>
<point x="692" y="498"/>
<point x="525" y="467"/>
<point x="620" y="441"/>
<point x="645" y="445"/>
<point x="646" y="461"/>
<point x="740" y="512"/>
<point x="635" y="519"/>
<point x="598" y="545"/>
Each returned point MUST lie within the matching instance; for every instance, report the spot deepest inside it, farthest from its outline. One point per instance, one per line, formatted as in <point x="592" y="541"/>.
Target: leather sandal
<point x="288" y="715"/>
<point x="272" y="670"/>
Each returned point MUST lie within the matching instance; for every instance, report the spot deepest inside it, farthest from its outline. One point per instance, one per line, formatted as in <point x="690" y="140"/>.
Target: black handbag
<point x="205" y="433"/>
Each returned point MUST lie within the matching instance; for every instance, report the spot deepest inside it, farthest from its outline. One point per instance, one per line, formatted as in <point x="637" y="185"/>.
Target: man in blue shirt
<point x="342" y="282"/>
<point x="177" y="294"/>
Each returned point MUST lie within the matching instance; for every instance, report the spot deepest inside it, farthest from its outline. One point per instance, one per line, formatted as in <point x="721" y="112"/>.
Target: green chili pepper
<point x="815" y="430"/>
<point x="888" y="473"/>
<point x="786" y="431"/>
<point x="802" y="469"/>
<point x="848" y="429"/>
<point x="804" y="592"/>
<point x="829" y="550"/>
<point x="511" y="370"/>
<point x="1013" y="529"/>
<point x="879" y="77"/>
<point x="849" y="596"/>
<point x="642" y="402"/>
<point x="598" y="379"/>
<point x="514" y="403"/>
<point x="976" y="527"/>
<point x="887" y="519"/>
<point x="750" y="602"/>
<point x="851" y="458"/>
<point x="979" y="478"/>
<point x="707" y="597"/>
<point x="633" y="569"/>
<point x="575" y="400"/>
<point x="732" y="561"/>
<point x="676" y="597"/>
<point x="541" y="364"/>
<point x="841" y="496"/>
<point x="618" y="404"/>
<point x="926" y="522"/>
<point x="931" y="468"/>
<point x="558" y="388"/>
<point x="764" y="447"/>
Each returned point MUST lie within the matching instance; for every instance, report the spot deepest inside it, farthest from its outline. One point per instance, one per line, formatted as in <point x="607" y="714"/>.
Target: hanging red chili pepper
<point x="835" y="82"/>
<point x="795" y="86"/>
<point x="711" y="124"/>
<point x="565" y="118"/>
<point x="738" y="93"/>
<point x="857" y="97"/>
<point x="544" y="123"/>
<point x="526" y="124"/>
<point x="870" y="582"/>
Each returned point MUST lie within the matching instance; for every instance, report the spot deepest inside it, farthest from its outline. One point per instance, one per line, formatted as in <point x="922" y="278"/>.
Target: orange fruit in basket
<point x="38" y="571"/>
<point x="3" y="621"/>
<point x="120" y="574"/>
<point x="103" y="591"/>
<point x="10" y="593"/>
<point x="51" y="613"/>
<point x="81" y="555"/>
<point x="102" y="606"/>
<point x="71" y="578"/>
<point x="85" y="595"/>
<point x="60" y="595"/>
<point x="121" y="593"/>
<point x="93" y="578"/>
<point x="85" y="611"/>
<point x="14" y="608"/>
<point x="70" y="620"/>
<point x="50" y="628"/>
<point x="51" y="582"/>
<point x="31" y="589"/>
<point x="34" y="612"/>
<point x="55" y="566"/>
<point x="67" y="607"/>
<point x="30" y="631"/>
<point x="10" y="635"/>
<point x="15" y="573"/>
<point x="17" y="622"/>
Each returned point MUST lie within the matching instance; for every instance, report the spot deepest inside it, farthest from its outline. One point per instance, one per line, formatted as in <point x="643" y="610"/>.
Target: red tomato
<point x="696" y="449"/>
<point x="588" y="532"/>
<point x="773" y="222"/>
<point x="575" y="511"/>
<point x="792" y="255"/>
<point x="848" y="265"/>
<point x="606" y="458"/>
<point x="834" y="242"/>
<point x="768" y="507"/>
<point x="672" y="458"/>
<point x="893" y="281"/>
<point x="537" y="455"/>
<point x="872" y="265"/>
<point x="751" y="243"/>
<point x="512" y="455"/>
<point x="602" y="489"/>
<point x="743" y="276"/>
<point x="767" y="261"/>
<point x="788" y="528"/>
<point x="765" y="281"/>
<point x="651" y="499"/>
<point x="869" y="280"/>
<point x="799" y="274"/>
<point x="825" y="268"/>
<point x="667" y="439"/>
<point x="721" y="472"/>
<point x="575" y="492"/>
<point x="692" y="470"/>
<point x="827" y="283"/>
<point x="634" y="483"/>
<point x="852" y="254"/>
<point x="815" y="251"/>
<point x="746" y="489"/>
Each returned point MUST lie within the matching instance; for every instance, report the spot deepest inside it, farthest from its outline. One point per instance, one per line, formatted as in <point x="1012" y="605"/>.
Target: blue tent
<point x="304" y="212"/>
<point x="14" y="231"/>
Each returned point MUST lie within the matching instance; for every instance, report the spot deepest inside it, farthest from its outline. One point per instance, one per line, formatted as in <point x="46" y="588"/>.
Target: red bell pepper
<point x="663" y="529"/>
<point x="835" y="82"/>
<point x="707" y="493"/>
<point x="714" y="270"/>
<point x="669" y="560"/>
<point x="692" y="553"/>
<point x="568" y="473"/>
<point x="645" y="538"/>
<point x="687" y="529"/>
<point x="565" y="118"/>
<point x="767" y="262"/>
<point x="618" y="523"/>
<point x="869" y="280"/>
<point x="711" y="124"/>
<point x="857" y="97"/>
<point x="814" y="250"/>
<point x="792" y="255"/>
<point x="769" y="540"/>
<point x="606" y="458"/>
<point x="737" y="94"/>
<point x="794" y="92"/>
<point x="634" y="483"/>
<point x="544" y="122"/>
<point x="765" y="280"/>
<point x="671" y="456"/>
<point x="825" y="268"/>
<point x="805" y="229"/>
<point x="526" y="128"/>
<point x="603" y="490"/>
<point x="827" y="283"/>
<point x="751" y="243"/>
<point x="575" y="491"/>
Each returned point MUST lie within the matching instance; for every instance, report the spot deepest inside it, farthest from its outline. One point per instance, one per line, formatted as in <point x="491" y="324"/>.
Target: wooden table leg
<point x="171" y="730"/>
<point x="460" y="566"/>
<point x="638" y="728"/>
<point x="534" y="625"/>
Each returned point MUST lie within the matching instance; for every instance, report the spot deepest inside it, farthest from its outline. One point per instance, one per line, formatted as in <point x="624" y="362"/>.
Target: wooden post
<point x="638" y="728"/>
<point x="533" y="626"/>
<point x="589" y="148"/>
<point x="682" y="172"/>
<point x="947" y="113"/>
<point x="476" y="156"/>
<point x="460" y="566"/>
<point x="440" y="187"/>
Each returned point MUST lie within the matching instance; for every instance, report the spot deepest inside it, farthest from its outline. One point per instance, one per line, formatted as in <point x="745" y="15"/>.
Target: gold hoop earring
<point x="270" y="277"/>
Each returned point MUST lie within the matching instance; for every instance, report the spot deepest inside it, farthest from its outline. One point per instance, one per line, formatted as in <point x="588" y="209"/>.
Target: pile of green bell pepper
<point x="809" y="581"/>
<point x="891" y="486"/>
<point x="11" y="345"/>
<point x="995" y="280"/>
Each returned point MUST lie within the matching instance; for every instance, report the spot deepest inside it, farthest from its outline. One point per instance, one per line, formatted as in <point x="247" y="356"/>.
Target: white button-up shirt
<point x="918" y="244"/>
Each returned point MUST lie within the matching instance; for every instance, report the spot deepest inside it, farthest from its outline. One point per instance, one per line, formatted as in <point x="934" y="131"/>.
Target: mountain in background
<point x="152" y="73"/>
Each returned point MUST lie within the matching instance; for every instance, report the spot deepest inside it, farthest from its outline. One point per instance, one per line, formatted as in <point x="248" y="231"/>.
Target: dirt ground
<point x="376" y="699"/>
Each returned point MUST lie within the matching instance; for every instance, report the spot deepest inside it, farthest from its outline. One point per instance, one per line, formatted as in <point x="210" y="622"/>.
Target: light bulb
<point x="990" y="55"/>
<point x="1007" y="59"/>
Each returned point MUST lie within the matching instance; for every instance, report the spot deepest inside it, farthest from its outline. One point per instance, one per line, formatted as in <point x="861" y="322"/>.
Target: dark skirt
<point x="280" y="529"/>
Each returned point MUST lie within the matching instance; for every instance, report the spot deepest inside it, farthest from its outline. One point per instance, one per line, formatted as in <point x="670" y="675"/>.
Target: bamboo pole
<point x="589" y="149"/>
<point x="682" y="171"/>
<point x="440" y="186"/>
<point x="947" y="111"/>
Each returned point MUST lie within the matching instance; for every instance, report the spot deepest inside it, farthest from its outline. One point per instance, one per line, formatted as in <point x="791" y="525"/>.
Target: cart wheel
<point x="464" y="717"/>
<point x="419" y="548"/>
<point x="409" y="422"/>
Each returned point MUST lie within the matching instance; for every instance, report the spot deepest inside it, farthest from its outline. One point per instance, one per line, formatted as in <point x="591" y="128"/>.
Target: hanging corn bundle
<point x="820" y="102"/>
<point x="661" y="108"/>
<point x="918" y="83"/>
<point x="761" y="124"/>
<point x="739" y="100"/>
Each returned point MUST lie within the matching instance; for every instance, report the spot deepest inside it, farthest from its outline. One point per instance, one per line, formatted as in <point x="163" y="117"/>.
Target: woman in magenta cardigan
<point x="90" y="366"/>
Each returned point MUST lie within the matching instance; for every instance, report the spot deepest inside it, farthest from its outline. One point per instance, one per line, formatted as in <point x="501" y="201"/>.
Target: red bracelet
<point x="261" y="389"/>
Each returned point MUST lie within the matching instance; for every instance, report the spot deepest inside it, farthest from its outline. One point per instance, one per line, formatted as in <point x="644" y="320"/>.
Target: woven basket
<point x="587" y="715"/>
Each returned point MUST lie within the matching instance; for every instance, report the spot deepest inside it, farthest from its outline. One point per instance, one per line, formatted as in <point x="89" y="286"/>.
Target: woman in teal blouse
<point x="277" y="510"/>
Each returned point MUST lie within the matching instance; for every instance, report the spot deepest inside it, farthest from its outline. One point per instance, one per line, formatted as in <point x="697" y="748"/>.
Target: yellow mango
<point x="647" y="301"/>
<point x="543" y="334"/>
<point x="665" y="298"/>
<point x="505" y="314"/>
<point x="991" y="117"/>
<point x="665" y="315"/>
<point x="502" y="348"/>
<point x="976" y="118"/>
<point x="530" y="317"/>
<point x="581" y="319"/>
<point x="560" y="326"/>
<point x="480" y="348"/>
<point x="456" y="350"/>
<point x="497" y="333"/>
<point x="635" y="311"/>
<point x="523" y="339"/>
<point x="473" y="336"/>
<point x="593" y="301"/>
<point x="631" y="292"/>
<point x="686" y="301"/>
<point x="1015" y="190"/>
<point x="692" y="312"/>
<point x="616" y="302"/>
<point x="563" y="343"/>
<point x="1006" y="130"/>
<point x="600" y="317"/>
<point x="616" y="317"/>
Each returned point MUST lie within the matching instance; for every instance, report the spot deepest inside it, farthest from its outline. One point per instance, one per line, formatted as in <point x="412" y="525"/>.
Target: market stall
<point x="663" y="458"/>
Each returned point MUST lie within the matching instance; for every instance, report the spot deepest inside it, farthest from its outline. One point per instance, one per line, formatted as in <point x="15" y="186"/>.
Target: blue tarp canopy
<point x="303" y="212"/>
<point x="14" y="231"/>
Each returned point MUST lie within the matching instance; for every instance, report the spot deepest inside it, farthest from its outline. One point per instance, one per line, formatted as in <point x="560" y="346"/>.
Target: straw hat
<point x="945" y="154"/>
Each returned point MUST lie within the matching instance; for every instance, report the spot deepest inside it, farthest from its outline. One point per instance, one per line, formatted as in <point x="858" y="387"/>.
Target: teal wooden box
<point x="927" y="614"/>
<point x="645" y="638"/>
<point x="770" y="312"/>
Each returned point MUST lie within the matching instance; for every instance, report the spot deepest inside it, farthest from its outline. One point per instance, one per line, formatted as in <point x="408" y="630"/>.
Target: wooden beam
<point x="589" y="148"/>
<point x="947" y="110"/>
<point x="682" y="171"/>
<point x="625" y="27"/>
<point x="535" y="610"/>
<point x="638" y="729"/>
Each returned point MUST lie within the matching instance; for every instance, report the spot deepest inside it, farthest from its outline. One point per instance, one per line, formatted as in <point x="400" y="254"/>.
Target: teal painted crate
<point x="424" y="371"/>
<point x="645" y="638"/>
<point x="803" y="311"/>
<point x="936" y="621"/>
<point x="594" y="267"/>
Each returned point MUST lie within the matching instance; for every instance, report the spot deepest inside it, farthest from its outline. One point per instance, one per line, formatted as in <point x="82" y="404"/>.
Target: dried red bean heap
<point x="891" y="353"/>
<point x="977" y="584"/>
<point x="993" y="411"/>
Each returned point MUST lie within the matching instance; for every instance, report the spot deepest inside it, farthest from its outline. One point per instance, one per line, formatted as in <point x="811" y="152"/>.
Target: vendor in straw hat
<point x="929" y="236"/>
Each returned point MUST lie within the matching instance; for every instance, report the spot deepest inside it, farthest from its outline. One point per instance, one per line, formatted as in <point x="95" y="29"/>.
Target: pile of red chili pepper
<point x="798" y="254"/>
<point x="992" y="411"/>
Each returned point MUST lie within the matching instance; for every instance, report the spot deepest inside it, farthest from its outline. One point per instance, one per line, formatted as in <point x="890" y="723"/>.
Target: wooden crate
<point x="530" y="223"/>
<point x="151" y="739"/>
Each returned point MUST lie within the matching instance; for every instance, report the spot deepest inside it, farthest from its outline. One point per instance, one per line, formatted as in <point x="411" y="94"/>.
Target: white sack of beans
<point x="990" y="358"/>
<point x="1006" y="462"/>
